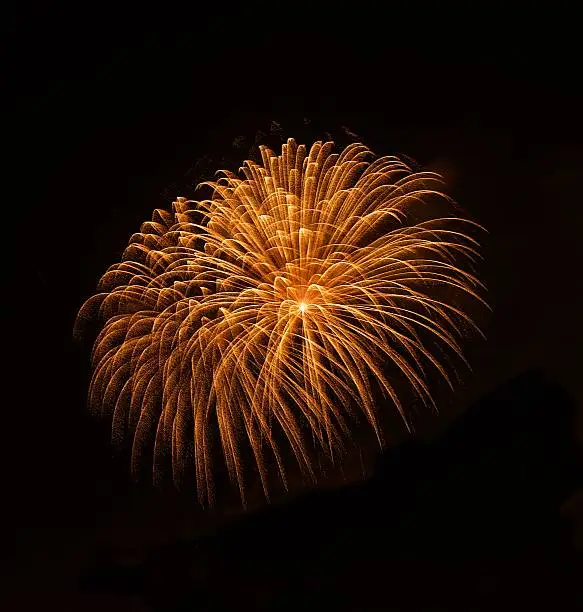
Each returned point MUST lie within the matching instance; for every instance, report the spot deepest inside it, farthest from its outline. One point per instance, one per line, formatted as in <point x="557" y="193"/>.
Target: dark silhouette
<point x="469" y="521"/>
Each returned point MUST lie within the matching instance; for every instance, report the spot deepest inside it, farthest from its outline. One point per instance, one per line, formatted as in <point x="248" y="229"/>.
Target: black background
<point x="107" y="113"/>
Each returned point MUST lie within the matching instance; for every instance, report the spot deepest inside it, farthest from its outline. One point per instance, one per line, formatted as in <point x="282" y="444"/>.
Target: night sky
<point x="109" y="114"/>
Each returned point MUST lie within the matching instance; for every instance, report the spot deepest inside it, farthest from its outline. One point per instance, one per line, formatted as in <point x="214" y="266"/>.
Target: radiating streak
<point x="268" y="310"/>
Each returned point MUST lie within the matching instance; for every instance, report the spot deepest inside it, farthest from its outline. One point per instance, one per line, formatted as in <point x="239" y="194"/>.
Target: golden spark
<point x="267" y="313"/>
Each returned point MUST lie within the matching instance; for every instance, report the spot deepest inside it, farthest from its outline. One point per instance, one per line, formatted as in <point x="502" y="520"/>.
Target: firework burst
<point x="263" y="317"/>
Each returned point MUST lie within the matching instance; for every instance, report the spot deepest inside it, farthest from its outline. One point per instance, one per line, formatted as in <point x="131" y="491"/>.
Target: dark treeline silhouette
<point x="468" y="521"/>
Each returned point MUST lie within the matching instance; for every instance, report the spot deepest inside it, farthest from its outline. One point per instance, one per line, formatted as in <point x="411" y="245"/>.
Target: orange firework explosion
<point x="269" y="312"/>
